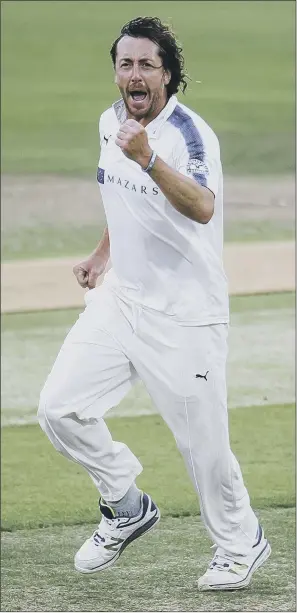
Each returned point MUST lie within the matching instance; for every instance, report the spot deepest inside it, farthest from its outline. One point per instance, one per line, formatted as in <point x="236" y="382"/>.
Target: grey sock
<point x="129" y="505"/>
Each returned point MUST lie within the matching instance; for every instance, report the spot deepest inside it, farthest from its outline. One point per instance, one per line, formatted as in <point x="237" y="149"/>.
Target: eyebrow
<point x="142" y="59"/>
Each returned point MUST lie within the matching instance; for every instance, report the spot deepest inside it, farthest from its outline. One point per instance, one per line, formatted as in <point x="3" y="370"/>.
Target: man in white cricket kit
<point x="161" y="315"/>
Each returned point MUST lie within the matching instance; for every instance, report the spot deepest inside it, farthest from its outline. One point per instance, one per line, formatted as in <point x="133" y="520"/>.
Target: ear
<point x="167" y="77"/>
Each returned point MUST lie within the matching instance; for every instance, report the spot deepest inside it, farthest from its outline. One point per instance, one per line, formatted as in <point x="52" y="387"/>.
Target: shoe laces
<point x="106" y="526"/>
<point x="220" y="563"/>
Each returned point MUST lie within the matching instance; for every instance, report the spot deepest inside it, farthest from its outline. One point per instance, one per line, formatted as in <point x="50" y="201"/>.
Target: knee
<point x="49" y="410"/>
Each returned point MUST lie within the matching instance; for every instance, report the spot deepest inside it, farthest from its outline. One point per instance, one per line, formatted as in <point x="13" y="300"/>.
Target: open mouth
<point x="138" y="96"/>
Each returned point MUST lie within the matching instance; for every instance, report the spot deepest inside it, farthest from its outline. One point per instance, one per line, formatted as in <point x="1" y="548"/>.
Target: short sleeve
<point x="198" y="156"/>
<point x="104" y="124"/>
<point x="100" y="129"/>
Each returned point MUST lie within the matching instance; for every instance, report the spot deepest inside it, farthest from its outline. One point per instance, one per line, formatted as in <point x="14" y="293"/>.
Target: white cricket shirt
<point x="161" y="259"/>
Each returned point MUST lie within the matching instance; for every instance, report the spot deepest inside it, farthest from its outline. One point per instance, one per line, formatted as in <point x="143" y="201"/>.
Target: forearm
<point x="188" y="197"/>
<point x="103" y="247"/>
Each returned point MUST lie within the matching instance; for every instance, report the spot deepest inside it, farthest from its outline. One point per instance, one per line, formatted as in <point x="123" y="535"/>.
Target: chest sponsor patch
<point x="105" y="178"/>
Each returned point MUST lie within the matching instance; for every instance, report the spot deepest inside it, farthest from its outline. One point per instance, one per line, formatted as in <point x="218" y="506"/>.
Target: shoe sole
<point x="147" y="527"/>
<point x="262" y="557"/>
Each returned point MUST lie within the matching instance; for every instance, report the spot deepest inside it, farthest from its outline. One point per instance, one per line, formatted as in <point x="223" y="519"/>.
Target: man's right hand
<point x="88" y="271"/>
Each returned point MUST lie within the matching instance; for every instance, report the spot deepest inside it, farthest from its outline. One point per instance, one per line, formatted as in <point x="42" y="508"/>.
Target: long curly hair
<point x="169" y="49"/>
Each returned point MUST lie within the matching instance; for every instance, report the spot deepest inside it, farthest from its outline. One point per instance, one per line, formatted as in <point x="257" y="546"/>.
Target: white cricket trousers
<point x="114" y="343"/>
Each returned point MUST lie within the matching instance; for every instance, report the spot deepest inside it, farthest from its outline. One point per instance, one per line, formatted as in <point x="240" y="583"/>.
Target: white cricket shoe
<point x="226" y="573"/>
<point x="113" y="535"/>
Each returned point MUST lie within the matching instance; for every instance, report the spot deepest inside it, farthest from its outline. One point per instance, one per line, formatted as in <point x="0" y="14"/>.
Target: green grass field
<point x="56" y="240"/>
<point x="157" y="573"/>
<point x="261" y="341"/>
<point x="49" y="505"/>
<point x="54" y="491"/>
<point x="57" y="78"/>
<point x="37" y="563"/>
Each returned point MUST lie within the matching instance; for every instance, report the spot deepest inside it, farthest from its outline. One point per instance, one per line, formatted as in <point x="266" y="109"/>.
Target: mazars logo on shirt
<point x="105" y="177"/>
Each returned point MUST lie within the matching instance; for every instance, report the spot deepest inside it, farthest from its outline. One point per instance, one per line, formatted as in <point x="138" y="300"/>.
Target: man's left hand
<point x="132" y="139"/>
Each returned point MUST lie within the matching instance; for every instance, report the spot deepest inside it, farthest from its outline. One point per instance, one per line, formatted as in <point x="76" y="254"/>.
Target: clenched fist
<point x="88" y="271"/>
<point x="132" y="139"/>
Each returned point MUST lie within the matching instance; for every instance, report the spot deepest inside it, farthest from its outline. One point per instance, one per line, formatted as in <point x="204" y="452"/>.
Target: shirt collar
<point x="154" y="127"/>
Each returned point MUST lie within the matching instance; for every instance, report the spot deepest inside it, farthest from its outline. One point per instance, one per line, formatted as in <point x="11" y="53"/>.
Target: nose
<point x="135" y="77"/>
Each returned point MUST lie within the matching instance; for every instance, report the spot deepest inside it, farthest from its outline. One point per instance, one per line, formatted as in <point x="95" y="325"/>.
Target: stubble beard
<point x="150" y="113"/>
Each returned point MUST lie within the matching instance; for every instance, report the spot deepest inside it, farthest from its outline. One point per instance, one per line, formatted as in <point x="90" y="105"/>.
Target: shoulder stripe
<point x="181" y="120"/>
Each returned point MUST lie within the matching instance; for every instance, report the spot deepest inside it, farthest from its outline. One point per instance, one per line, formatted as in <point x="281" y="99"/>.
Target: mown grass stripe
<point x="157" y="573"/>
<point x="39" y="486"/>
